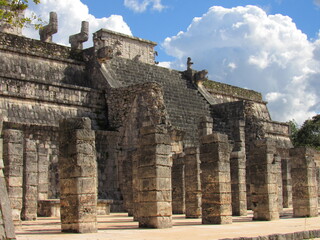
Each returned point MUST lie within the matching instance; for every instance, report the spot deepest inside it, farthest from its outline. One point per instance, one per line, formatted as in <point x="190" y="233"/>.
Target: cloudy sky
<point x="271" y="46"/>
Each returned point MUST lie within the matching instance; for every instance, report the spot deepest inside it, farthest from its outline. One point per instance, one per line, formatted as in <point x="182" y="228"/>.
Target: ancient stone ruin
<point x="86" y="128"/>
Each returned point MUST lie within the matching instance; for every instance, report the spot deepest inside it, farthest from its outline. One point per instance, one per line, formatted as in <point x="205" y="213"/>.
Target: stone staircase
<point x="185" y="105"/>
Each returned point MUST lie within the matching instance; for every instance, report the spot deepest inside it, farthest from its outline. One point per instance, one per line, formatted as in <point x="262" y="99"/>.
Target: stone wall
<point x="125" y="46"/>
<point x="31" y="59"/>
<point x="39" y="103"/>
<point x="226" y="93"/>
<point x="184" y="104"/>
<point x="108" y="179"/>
<point x="130" y="109"/>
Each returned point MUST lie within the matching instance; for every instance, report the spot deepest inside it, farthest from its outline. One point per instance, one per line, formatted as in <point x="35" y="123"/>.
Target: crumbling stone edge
<point x="310" y="234"/>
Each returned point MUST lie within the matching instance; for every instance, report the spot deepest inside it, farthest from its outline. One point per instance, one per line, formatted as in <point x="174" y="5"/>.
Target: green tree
<point x="10" y="12"/>
<point x="309" y="133"/>
<point x="294" y="128"/>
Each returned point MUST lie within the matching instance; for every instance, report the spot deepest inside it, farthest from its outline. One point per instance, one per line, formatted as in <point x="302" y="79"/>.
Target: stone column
<point x="178" y="186"/>
<point x="13" y="161"/>
<point x="304" y="183"/>
<point x="78" y="176"/>
<point x="154" y="174"/>
<point x="128" y="183"/>
<point x="279" y="184"/>
<point x="30" y="191"/>
<point x="43" y="171"/>
<point x="6" y="222"/>
<point x="238" y="183"/>
<point x="286" y="182"/>
<point x="264" y="188"/>
<point x="238" y="170"/>
<point x="135" y="185"/>
<point x="192" y="182"/>
<point x="205" y="126"/>
<point x="215" y="179"/>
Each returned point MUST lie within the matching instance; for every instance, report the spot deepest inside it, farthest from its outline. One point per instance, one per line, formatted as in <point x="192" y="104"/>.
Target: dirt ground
<point x="118" y="226"/>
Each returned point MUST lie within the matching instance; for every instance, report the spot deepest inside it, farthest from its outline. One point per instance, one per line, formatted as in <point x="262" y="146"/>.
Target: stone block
<point x="84" y="135"/>
<point x="155" y="222"/>
<point x="157" y="171"/>
<point x="159" y="149"/>
<point x="86" y="227"/>
<point x="215" y="137"/>
<point x="15" y="191"/>
<point x="156" y="138"/>
<point x="153" y="184"/>
<point x="147" y="130"/>
<point x="155" y="208"/>
<point x="217" y="220"/>
<point x="12" y="136"/>
<point x="150" y="160"/>
<point x="15" y="181"/>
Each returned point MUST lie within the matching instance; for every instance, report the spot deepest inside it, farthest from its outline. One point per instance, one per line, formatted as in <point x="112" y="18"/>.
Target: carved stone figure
<point x="47" y="31"/>
<point x="78" y="39"/>
<point x="200" y="77"/>
<point x="189" y="63"/>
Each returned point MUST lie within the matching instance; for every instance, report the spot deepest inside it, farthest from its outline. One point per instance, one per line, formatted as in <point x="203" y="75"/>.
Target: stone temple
<point x="106" y="126"/>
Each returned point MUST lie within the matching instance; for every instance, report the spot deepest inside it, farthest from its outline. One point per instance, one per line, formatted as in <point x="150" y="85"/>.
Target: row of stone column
<point x="27" y="181"/>
<point x="206" y="174"/>
<point x="223" y="187"/>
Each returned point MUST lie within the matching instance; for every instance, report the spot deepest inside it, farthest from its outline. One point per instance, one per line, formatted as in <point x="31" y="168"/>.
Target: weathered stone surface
<point x="78" y="39"/>
<point x="178" y="184"/>
<point x="40" y="84"/>
<point x="13" y="161"/>
<point x="287" y="182"/>
<point x="192" y="183"/>
<point x="304" y="182"/>
<point x="215" y="179"/>
<point x="78" y="192"/>
<point x="6" y="220"/>
<point x="47" y="31"/>
<point x="264" y="180"/>
<point x="30" y="191"/>
<point x="155" y="199"/>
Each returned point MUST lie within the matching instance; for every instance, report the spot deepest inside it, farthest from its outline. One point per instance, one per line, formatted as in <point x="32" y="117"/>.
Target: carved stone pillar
<point x="13" y="161"/>
<point x="178" y="184"/>
<point x="304" y="183"/>
<point x="30" y="191"/>
<point x="264" y="179"/>
<point x="215" y="179"/>
<point x="6" y="222"/>
<point x="238" y="170"/>
<point x="78" y="176"/>
<point x="154" y="174"/>
<point x="192" y="182"/>
<point x="286" y="182"/>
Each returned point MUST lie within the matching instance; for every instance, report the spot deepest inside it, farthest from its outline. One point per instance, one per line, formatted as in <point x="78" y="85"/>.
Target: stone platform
<point x="120" y="226"/>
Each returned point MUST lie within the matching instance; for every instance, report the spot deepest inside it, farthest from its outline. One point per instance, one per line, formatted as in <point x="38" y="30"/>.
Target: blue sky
<point x="269" y="46"/>
<point x="176" y="15"/>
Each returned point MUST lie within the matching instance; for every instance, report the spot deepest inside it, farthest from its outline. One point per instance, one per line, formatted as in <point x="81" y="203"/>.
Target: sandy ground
<point x="119" y="226"/>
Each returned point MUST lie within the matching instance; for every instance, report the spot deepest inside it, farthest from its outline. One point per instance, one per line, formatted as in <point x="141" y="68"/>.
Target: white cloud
<point x="141" y="6"/>
<point x="70" y="15"/>
<point x="245" y="47"/>
<point x="164" y="64"/>
<point x="317" y="2"/>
